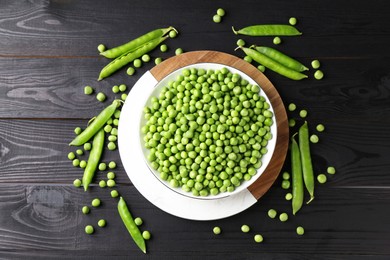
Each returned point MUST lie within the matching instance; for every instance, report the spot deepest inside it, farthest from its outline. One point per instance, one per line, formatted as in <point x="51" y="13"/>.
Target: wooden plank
<point x="53" y="28"/>
<point x="45" y="221"/>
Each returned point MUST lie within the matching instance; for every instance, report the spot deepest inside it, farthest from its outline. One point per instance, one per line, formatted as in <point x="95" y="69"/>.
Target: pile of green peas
<point x="207" y="131"/>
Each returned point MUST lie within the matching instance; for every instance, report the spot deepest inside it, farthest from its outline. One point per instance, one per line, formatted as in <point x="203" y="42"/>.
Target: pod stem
<point x="235" y="32"/>
<point x="311" y="199"/>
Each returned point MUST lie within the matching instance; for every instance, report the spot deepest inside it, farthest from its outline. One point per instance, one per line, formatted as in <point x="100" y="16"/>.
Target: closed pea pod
<point x="94" y="158"/>
<point x="297" y="178"/>
<point x="273" y="65"/>
<point x="281" y="58"/>
<point x="133" y="229"/>
<point x="268" y="30"/>
<point x="307" y="166"/>
<point x="125" y="58"/>
<point x="134" y="44"/>
<point x="96" y="124"/>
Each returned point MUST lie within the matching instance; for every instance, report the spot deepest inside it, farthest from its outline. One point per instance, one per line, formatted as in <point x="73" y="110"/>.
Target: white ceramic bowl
<point x="265" y="159"/>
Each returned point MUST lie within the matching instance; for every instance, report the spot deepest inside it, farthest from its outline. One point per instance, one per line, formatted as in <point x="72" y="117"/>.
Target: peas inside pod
<point x="207" y="131"/>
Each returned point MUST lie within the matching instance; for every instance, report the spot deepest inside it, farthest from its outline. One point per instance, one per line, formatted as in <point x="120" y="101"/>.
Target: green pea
<point x="318" y="74"/>
<point x="292" y="21"/>
<point x="112" y="165"/>
<point x="245" y="228"/>
<point x="285" y="184"/>
<point x="102" y="223"/>
<point x="83" y="164"/>
<point x="172" y="34"/>
<point x="283" y="217"/>
<point x="146" y="235"/>
<point x="315" y="64"/>
<point x="288" y="196"/>
<point x="71" y="156"/>
<point x="76" y="162"/>
<point x="79" y="152"/>
<point x="102" y="184"/>
<point x="110" y="175"/>
<point x="291" y="122"/>
<point x="314" y="138"/>
<point x="220" y="12"/>
<point x="178" y="51"/>
<point x="138" y="221"/>
<point x="89" y="229"/>
<point x="137" y="63"/>
<point x="77" y="130"/>
<point x="292" y="107"/>
<point x="300" y="230"/>
<point x="96" y="203"/>
<point x="111" y="183"/>
<point x="261" y="68"/>
<point x="240" y="42"/>
<point x="303" y="113"/>
<point x="115" y="89"/>
<point x="102" y="166"/>
<point x="217" y="230"/>
<point x="145" y="58"/>
<point x="286" y="176"/>
<point x="130" y="71"/>
<point x="122" y="87"/>
<point x="217" y="18"/>
<point x="258" y="238"/>
<point x="331" y="170"/>
<point x="124" y="96"/>
<point x="320" y="127"/>
<point x="77" y="183"/>
<point x="85" y="210"/>
<point x="277" y="40"/>
<point x="88" y="90"/>
<point x="101" y="47"/>
<point x="248" y="59"/>
<point x="114" y="193"/>
<point x="163" y="48"/>
<point x="87" y="146"/>
<point x="111" y="146"/>
<point x="321" y="178"/>
<point x="101" y="96"/>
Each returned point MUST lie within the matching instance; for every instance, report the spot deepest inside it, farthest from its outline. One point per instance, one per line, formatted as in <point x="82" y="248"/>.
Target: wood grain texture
<point x="48" y="54"/>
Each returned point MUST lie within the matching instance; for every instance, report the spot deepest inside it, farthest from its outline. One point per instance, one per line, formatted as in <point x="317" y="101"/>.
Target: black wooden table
<point x="48" y="54"/>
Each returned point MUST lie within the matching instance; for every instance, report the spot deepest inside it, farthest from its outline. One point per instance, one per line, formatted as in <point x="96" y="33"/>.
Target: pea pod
<point x="281" y="58"/>
<point x="128" y="220"/>
<point x="96" y="124"/>
<point x="129" y="57"/>
<point x="134" y="44"/>
<point x="273" y="65"/>
<point x="268" y="30"/>
<point x="297" y="178"/>
<point x="94" y="158"/>
<point x="307" y="166"/>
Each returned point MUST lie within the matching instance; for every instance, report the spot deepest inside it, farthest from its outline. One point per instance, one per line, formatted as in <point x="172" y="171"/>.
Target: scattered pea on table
<point x="178" y="51"/>
<point x="111" y="183"/>
<point x="314" y="138"/>
<point x="85" y="210"/>
<point x="300" y="230"/>
<point x="102" y="223"/>
<point x="130" y="71"/>
<point x="217" y="230"/>
<point x="83" y="164"/>
<point x="137" y="63"/>
<point x="77" y="183"/>
<point x="292" y="21"/>
<point x="77" y="130"/>
<point x="221" y="12"/>
<point x="315" y="64"/>
<point x="71" y="156"/>
<point x="163" y="48"/>
<point x="122" y="87"/>
<point x="88" y="90"/>
<point x="292" y="107"/>
<point x="115" y="89"/>
<point x="112" y="165"/>
<point x="111" y="146"/>
<point x="114" y="193"/>
<point x="102" y="166"/>
<point x="272" y="213"/>
<point x="286" y="176"/>
<point x="76" y="162"/>
<point x="245" y="228"/>
<point x="110" y="175"/>
<point x="258" y="238"/>
<point x="146" y="235"/>
<point x="138" y="221"/>
<point x="303" y="113"/>
<point x="318" y="74"/>
<point x="277" y="40"/>
<point x="291" y="122"/>
<point x="283" y="217"/>
<point x="261" y="68"/>
<point x="321" y="178"/>
<point x="89" y="229"/>
<point x="240" y="42"/>
<point x="87" y="146"/>
<point x="96" y="202"/>
<point x="172" y="34"/>
<point x="102" y="183"/>
<point x="157" y="60"/>
<point x="286" y="184"/>
<point x="248" y="59"/>
<point x="101" y="96"/>
<point x="331" y="170"/>
<point x="320" y="127"/>
<point x="217" y="18"/>
<point x="124" y="96"/>
<point x="79" y="152"/>
<point x="288" y="196"/>
<point x="145" y="58"/>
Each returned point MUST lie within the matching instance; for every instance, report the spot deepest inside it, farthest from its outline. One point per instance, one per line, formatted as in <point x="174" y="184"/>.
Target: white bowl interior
<point x="270" y="146"/>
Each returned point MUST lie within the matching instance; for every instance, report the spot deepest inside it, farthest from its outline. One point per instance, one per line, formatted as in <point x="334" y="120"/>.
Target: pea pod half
<point x="96" y="124"/>
<point x="136" y="43"/>
<point x="307" y="166"/>
<point x="133" y="229"/>
<point x="297" y="179"/>
<point x="281" y="58"/>
<point x="94" y="158"/>
<point x="268" y="30"/>
<point x="273" y="65"/>
<point x="124" y="59"/>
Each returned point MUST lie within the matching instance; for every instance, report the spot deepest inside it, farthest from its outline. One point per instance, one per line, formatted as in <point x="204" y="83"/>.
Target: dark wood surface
<point x="48" y="54"/>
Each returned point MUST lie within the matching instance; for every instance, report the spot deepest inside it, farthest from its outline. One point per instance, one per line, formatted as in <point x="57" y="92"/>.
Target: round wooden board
<point x="265" y="181"/>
